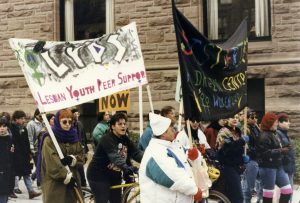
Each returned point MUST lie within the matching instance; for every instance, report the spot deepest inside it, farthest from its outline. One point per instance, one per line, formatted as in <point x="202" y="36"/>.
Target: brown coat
<point x="53" y="173"/>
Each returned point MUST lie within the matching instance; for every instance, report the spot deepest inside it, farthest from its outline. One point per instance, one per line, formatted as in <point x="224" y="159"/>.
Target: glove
<point x="284" y="150"/>
<point x="193" y="153"/>
<point x="201" y="148"/>
<point x="198" y="195"/>
<point x="69" y="160"/>
<point x="129" y="170"/>
<point x="246" y="159"/>
<point x="72" y="183"/>
<point x="245" y="138"/>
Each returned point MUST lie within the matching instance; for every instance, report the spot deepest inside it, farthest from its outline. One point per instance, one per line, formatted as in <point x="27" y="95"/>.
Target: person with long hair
<point x="212" y="130"/>
<point x="230" y="153"/>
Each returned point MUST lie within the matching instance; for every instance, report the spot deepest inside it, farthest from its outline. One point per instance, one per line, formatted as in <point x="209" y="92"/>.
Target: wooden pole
<point x="245" y="130"/>
<point x="141" y="109"/>
<point x="180" y="114"/>
<point x="150" y="99"/>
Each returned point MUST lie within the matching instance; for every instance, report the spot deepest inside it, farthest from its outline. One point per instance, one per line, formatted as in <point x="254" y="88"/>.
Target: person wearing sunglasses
<point x="251" y="184"/>
<point x="57" y="183"/>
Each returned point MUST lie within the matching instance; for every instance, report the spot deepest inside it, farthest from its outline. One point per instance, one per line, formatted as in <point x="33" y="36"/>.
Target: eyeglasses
<point x="194" y="121"/>
<point x="253" y="117"/>
<point x="66" y="121"/>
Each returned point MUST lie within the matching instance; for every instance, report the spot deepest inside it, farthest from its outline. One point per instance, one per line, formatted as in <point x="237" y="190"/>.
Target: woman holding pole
<point x="57" y="182"/>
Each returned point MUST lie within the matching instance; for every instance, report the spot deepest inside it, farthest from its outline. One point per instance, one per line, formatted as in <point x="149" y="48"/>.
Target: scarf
<point x="63" y="136"/>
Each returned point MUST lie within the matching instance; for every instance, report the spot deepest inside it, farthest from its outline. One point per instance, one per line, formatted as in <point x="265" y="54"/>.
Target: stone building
<point x="273" y="59"/>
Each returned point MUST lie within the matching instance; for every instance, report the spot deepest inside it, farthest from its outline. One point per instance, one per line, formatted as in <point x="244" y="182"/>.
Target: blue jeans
<point x="3" y="198"/>
<point x="28" y="183"/>
<point x="251" y="182"/>
<point x="272" y="176"/>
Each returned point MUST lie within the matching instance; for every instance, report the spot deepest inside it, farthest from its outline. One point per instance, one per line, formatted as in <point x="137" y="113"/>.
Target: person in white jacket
<point x="198" y="136"/>
<point x="165" y="175"/>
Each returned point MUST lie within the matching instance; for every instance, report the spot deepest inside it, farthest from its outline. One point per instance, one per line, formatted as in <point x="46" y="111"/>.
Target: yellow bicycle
<point x="131" y="193"/>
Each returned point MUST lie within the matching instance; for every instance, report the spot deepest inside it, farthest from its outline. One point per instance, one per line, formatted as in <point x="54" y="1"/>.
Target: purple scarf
<point x="61" y="135"/>
<point x="70" y="136"/>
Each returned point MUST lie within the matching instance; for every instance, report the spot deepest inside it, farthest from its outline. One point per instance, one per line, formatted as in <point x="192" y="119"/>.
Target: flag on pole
<point x="213" y="77"/>
<point x="65" y="74"/>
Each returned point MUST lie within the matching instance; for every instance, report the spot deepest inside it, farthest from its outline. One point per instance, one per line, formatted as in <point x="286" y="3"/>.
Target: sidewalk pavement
<point x="23" y="198"/>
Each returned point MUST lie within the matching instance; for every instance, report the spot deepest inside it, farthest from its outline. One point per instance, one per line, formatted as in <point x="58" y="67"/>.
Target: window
<point x="85" y="19"/>
<point x="222" y="17"/>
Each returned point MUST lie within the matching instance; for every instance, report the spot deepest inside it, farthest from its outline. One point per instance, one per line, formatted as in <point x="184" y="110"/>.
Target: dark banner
<point x="213" y="77"/>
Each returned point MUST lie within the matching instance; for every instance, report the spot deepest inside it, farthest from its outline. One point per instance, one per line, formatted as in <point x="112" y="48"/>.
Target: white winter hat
<point x="159" y="124"/>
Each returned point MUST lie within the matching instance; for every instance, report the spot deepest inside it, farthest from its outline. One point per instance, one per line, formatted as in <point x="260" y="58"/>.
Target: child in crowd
<point x="6" y="159"/>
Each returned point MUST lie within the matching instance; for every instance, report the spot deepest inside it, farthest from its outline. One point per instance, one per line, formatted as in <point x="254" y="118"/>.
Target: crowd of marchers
<point x="253" y="157"/>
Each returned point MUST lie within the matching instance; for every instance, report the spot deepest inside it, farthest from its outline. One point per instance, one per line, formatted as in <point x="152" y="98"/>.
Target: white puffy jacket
<point x="165" y="174"/>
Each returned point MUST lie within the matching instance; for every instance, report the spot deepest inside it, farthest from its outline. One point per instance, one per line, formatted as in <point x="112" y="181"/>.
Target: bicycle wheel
<point x="88" y="196"/>
<point x="131" y="194"/>
<point x="215" y="197"/>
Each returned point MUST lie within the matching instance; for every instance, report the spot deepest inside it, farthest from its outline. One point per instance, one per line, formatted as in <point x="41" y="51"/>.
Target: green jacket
<point x="100" y="130"/>
<point x="53" y="173"/>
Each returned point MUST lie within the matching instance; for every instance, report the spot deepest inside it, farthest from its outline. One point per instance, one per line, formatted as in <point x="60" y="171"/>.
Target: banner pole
<point x="180" y="114"/>
<point x="189" y="133"/>
<point x="141" y="108"/>
<point x="150" y="98"/>
<point x="245" y="130"/>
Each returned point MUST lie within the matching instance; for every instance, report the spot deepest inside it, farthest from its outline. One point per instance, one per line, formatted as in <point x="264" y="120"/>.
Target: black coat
<point x="22" y="153"/>
<point x="268" y="150"/>
<point x="6" y="168"/>
<point x="111" y="154"/>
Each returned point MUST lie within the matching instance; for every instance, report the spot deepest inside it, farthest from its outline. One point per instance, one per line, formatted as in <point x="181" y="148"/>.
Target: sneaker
<point x="18" y="191"/>
<point x="13" y="195"/>
<point x="254" y="197"/>
<point x="34" y="194"/>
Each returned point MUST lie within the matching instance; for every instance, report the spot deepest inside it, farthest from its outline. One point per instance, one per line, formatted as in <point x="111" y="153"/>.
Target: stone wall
<point x="277" y="60"/>
<point x="33" y="19"/>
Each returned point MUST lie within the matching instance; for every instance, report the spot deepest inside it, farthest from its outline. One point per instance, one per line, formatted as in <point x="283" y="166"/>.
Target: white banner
<point x="65" y="74"/>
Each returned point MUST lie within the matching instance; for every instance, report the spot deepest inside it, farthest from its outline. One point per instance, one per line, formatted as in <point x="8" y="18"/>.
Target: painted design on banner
<point x="213" y="76"/>
<point x="70" y="73"/>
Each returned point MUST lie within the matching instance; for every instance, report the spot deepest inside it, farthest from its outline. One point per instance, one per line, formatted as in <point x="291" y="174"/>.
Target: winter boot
<point x="285" y="198"/>
<point x="34" y="194"/>
<point x="267" y="200"/>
